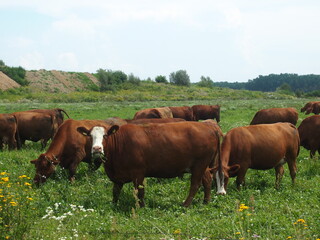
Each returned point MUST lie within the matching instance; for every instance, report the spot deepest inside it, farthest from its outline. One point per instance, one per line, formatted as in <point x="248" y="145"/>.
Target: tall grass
<point x="84" y="209"/>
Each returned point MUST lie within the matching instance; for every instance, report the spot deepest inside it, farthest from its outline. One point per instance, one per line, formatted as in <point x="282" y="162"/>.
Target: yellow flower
<point x="23" y="176"/>
<point x="289" y="237"/>
<point x="238" y="233"/>
<point x="13" y="204"/>
<point x="301" y="221"/>
<point x="1" y="196"/>
<point x="5" y="179"/>
<point x="7" y="237"/>
<point x="27" y="184"/>
<point x="177" y="231"/>
<point x="29" y="198"/>
<point x="3" y="173"/>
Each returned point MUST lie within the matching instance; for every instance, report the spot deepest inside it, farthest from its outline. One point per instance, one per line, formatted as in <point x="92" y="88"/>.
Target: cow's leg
<point x="139" y="187"/>
<point x="241" y="177"/>
<point x="12" y="143"/>
<point x="312" y="153"/>
<point x="292" y="168"/>
<point x="116" y="191"/>
<point x="43" y="143"/>
<point x="72" y="170"/>
<point x="194" y="186"/>
<point x="279" y="174"/>
<point x="207" y="183"/>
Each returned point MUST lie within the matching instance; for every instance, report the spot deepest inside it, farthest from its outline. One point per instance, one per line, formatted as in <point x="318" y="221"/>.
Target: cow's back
<point x="274" y="115"/>
<point x="161" y="150"/>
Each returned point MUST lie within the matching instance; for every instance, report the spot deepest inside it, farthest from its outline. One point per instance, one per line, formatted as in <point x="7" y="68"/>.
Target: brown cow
<point x="8" y="131"/>
<point x="203" y="112"/>
<point x="214" y="125"/>
<point x="157" y="150"/>
<point x="35" y="126"/>
<point x="163" y="112"/>
<point x="184" y="112"/>
<point x="311" y="107"/>
<point x="260" y="147"/>
<point x="67" y="149"/>
<point x="274" y="115"/>
<point x="57" y="112"/>
<point x="309" y="132"/>
<point x="119" y="121"/>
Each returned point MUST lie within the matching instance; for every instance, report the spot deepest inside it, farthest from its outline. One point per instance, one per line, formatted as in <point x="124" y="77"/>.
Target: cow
<point x="203" y="112"/>
<point x="311" y="107"/>
<point x="214" y="125"/>
<point x="133" y="152"/>
<point x="309" y="132"/>
<point x="67" y="149"/>
<point x="184" y="112"/>
<point x="35" y="126"/>
<point x="57" y="112"/>
<point x="8" y="131"/>
<point x="274" y="115"/>
<point x="162" y="112"/>
<point x="119" y="121"/>
<point x="259" y="147"/>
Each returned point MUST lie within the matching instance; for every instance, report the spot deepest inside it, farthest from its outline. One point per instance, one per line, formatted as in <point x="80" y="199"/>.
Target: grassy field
<point x="83" y="209"/>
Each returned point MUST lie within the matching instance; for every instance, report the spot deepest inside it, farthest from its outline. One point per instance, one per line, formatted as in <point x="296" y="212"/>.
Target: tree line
<point x="296" y="83"/>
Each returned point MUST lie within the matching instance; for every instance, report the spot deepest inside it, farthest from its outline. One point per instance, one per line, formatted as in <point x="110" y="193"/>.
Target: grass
<point x="84" y="209"/>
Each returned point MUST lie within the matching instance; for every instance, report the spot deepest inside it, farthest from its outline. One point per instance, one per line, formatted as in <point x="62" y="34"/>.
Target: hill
<point x="6" y="82"/>
<point x="58" y="81"/>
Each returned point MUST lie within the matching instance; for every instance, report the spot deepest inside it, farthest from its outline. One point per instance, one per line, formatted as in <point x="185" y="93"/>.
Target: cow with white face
<point x="97" y="134"/>
<point x="134" y="152"/>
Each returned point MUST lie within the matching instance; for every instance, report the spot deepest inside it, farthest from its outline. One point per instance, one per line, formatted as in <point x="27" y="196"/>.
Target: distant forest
<point x="296" y="83"/>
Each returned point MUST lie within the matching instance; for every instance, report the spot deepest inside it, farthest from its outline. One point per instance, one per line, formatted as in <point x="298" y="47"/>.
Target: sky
<point x="226" y="40"/>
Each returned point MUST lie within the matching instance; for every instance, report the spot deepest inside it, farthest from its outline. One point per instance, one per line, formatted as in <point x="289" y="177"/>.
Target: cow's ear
<point x="83" y="131"/>
<point x="34" y="161"/>
<point x="233" y="169"/>
<point x="113" y="130"/>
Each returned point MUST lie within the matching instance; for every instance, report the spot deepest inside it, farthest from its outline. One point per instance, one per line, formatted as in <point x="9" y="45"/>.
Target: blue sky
<point x="231" y="40"/>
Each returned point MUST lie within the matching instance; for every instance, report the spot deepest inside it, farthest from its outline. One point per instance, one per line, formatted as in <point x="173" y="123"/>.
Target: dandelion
<point x="242" y="207"/>
<point x="238" y="233"/>
<point x="301" y="221"/>
<point x="5" y="179"/>
<point x="23" y="176"/>
<point x="27" y="184"/>
<point x="3" y="173"/>
<point x="13" y="203"/>
<point x="29" y="198"/>
<point x="289" y="237"/>
<point x="177" y="231"/>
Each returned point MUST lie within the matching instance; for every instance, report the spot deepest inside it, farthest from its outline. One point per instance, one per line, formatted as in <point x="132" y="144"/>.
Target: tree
<point x="2" y="64"/>
<point x="133" y="79"/>
<point x="180" y="78"/>
<point x="161" y="79"/>
<point x="205" y="82"/>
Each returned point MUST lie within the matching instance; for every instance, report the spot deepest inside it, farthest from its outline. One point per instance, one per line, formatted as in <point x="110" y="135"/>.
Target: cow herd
<point x="166" y="142"/>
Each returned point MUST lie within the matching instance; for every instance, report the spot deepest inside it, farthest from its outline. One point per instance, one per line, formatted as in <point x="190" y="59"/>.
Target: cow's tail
<point x="61" y="110"/>
<point x="16" y="134"/>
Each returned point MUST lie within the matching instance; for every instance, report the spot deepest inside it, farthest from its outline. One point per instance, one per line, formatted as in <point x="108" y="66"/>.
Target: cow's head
<point x="215" y="110"/>
<point x="222" y="175"/>
<point x="45" y="166"/>
<point x="97" y="134"/>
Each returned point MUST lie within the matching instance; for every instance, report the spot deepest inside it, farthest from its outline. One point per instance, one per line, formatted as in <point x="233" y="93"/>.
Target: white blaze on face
<point x="97" y="134"/>
<point x="220" y="183"/>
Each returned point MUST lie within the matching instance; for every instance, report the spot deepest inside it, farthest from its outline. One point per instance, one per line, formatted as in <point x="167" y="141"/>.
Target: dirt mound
<point x="59" y="81"/>
<point x="7" y="83"/>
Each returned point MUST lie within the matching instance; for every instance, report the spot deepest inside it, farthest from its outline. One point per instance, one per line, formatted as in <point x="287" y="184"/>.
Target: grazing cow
<point x="56" y="112"/>
<point x="203" y="112"/>
<point x="311" y="107"/>
<point x="163" y="112"/>
<point x="8" y="131"/>
<point x="35" y="126"/>
<point x="168" y="150"/>
<point x="119" y="121"/>
<point x="184" y="112"/>
<point x="274" y="115"/>
<point x="67" y="149"/>
<point x="260" y="147"/>
<point x="309" y="132"/>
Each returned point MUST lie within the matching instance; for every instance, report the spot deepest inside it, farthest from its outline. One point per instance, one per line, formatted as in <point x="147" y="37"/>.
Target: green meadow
<point x="84" y="210"/>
